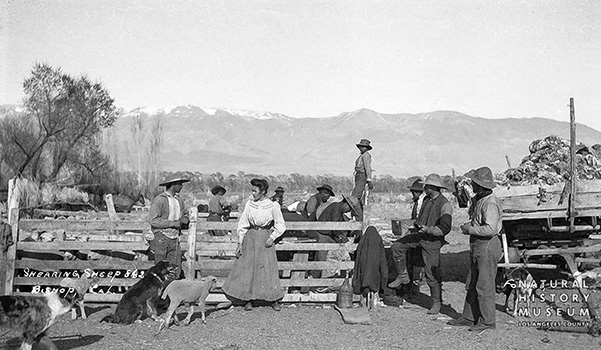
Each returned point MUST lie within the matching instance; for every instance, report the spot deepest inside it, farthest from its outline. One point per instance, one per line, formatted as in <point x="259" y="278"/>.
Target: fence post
<point x="191" y="259"/>
<point x="8" y="266"/>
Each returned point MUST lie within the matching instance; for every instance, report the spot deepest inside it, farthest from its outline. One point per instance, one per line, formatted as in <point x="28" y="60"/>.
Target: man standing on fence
<point x="432" y="224"/>
<point x="485" y="252"/>
<point x="167" y="217"/>
<point x="362" y="170"/>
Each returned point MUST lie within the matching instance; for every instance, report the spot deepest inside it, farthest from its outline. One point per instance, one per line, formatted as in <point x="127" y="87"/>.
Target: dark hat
<point x="483" y="177"/>
<point x="434" y="180"/>
<point x="364" y="143"/>
<point x="217" y="189"/>
<point x="279" y="189"/>
<point x="354" y="204"/>
<point x="173" y="178"/>
<point x="417" y="186"/>
<point x="326" y="188"/>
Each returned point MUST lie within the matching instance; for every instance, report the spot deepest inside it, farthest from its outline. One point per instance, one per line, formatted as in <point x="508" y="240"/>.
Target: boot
<point x="436" y="296"/>
<point x="276" y="306"/>
<point x="402" y="277"/>
<point x="248" y="306"/>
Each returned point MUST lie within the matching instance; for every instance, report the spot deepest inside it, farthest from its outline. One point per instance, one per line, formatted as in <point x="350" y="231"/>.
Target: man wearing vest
<point x="485" y="251"/>
<point x="167" y="216"/>
<point x="322" y="196"/>
<point x="432" y="224"/>
<point x="362" y="170"/>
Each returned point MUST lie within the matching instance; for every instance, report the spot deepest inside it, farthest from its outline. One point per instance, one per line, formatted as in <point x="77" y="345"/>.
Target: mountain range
<point x="228" y="141"/>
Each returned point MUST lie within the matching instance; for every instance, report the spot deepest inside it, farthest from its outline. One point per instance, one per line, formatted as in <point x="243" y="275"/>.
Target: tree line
<point x="63" y="133"/>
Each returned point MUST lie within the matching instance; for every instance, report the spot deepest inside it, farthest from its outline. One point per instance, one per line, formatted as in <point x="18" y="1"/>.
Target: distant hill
<point x="228" y="141"/>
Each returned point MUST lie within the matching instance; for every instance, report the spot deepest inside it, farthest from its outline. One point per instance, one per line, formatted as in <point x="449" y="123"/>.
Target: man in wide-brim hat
<point x="324" y="192"/>
<point x="167" y="216"/>
<point x="363" y="170"/>
<point x="432" y="224"/>
<point x="219" y="209"/>
<point x="484" y="229"/>
<point x="279" y="197"/>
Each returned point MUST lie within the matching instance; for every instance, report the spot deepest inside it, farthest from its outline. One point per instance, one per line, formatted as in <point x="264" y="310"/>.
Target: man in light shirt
<point x="167" y="216"/>
<point x="362" y="170"/>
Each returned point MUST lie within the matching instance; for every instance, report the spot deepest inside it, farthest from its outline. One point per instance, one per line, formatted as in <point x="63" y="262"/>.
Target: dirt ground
<point x="321" y="326"/>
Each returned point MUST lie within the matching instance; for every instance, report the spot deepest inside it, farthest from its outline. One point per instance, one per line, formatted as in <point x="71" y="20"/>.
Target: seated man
<point x="334" y="212"/>
<point x="433" y="223"/>
<point x="322" y="196"/>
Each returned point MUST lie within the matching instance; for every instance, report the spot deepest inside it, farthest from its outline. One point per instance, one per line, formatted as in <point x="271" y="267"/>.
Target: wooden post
<point x="110" y="206"/>
<point x="8" y="266"/>
<point x="572" y="204"/>
<point x="193" y="212"/>
<point x="505" y="248"/>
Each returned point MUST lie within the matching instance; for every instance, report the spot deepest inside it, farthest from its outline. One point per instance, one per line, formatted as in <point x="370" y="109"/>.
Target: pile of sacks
<point x="549" y="163"/>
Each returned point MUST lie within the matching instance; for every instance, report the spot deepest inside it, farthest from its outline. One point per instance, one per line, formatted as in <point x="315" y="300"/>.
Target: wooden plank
<point x="110" y="206"/>
<point x="66" y="245"/>
<point x="291" y="225"/>
<point x="298" y="276"/>
<point x="49" y="281"/>
<point x="554" y="251"/>
<point x="56" y="265"/>
<point x="529" y="266"/>
<point x="8" y="266"/>
<point x="216" y="298"/>
<point x="540" y="214"/>
<point x="83" y="225"/>
<point x="215" y="264"/>
<point x="281" y="247"/>
<point x="191" y="259"/>
<point x="588" y="260"/>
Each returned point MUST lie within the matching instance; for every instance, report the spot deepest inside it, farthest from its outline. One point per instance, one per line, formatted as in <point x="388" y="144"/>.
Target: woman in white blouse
<point x="255" y="272"/>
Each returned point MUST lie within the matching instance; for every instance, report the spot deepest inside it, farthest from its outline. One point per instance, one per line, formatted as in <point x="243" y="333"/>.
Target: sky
<point x="309" y="58"/>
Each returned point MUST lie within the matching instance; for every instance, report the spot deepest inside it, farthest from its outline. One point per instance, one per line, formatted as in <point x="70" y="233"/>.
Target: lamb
<point x="180" y="291"/>
<point x="80" y="286"/>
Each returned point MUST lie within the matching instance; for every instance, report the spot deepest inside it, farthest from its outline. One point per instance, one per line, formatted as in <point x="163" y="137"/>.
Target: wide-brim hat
<point x="364" y="143"/>
<point x="173" y="179"/>
<point x="417" y="185"/>
<point x="326" y="188"/>
<point x="217" y="189"/>
<point x="279" y="189"/>
<point x="483" y="177"/>
<point x="354" y="204"/>
<point x="434" y="180"/>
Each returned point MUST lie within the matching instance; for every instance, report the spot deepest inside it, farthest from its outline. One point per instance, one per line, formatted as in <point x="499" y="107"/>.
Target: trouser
<point x="166" y="248"/>
<point x="360" y="182"/>
<point x="480" y="298"/>
<point x="321" y="255"/>
<point x="430" y="246"/>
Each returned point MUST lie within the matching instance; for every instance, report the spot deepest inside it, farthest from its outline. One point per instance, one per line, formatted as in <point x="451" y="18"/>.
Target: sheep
<point x="80" y="286"/>
<point x="180" y="291"/>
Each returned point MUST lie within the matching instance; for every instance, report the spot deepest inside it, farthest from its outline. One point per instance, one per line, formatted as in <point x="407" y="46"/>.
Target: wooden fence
<point x="117" y="251"/>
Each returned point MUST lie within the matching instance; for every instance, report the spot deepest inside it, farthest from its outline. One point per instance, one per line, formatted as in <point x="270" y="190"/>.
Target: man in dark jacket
<point x="485" y="252"/>
<point x="167" y="215"/>
<point x="334" y="212"/>
<point x="432" y="224"/>
<point x="324" y="193"/>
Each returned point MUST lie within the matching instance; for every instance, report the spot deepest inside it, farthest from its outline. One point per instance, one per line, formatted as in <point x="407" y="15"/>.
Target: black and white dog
<point x="520" y="283"/>
<point x="31" y="315"/>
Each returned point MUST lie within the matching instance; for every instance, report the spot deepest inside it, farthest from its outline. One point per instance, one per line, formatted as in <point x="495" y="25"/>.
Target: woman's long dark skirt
<point x="255" y="274"/>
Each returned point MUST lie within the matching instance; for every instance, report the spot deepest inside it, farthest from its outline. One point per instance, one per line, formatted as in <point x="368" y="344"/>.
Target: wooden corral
<point x="118" y="251"/>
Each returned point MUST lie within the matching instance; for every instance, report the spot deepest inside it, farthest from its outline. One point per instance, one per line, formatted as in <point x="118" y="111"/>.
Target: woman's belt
<point x="265" y="227"/>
